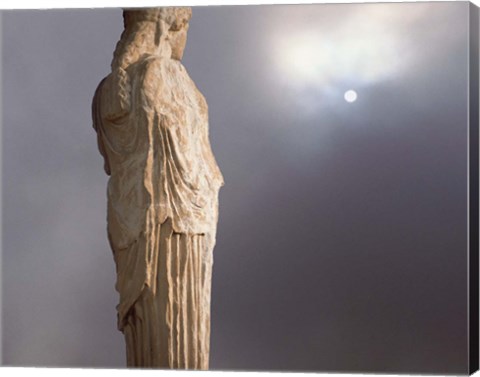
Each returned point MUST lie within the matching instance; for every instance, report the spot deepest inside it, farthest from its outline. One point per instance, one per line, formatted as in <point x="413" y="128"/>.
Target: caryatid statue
<point x="152" y="127"/>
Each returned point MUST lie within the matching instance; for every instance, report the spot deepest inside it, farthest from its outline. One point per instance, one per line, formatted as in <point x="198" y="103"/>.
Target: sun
<point x="350" y="96"/>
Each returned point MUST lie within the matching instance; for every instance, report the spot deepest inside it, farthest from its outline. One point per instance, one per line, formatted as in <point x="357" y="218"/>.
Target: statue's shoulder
<point x="157" y="77"/>
<point x="112" y="96"/>
<point x="151" y="73"/>
<point x="155" y="67"/>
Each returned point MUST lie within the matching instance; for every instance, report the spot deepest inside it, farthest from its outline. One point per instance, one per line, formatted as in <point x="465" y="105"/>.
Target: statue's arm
<point x="98" y="125"/>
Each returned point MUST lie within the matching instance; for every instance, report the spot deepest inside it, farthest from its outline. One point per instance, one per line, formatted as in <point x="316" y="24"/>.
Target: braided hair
<point x="139" y="23"/>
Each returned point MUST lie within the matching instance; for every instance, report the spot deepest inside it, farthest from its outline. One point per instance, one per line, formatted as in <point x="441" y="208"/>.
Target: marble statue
<point x="152" y="128"/>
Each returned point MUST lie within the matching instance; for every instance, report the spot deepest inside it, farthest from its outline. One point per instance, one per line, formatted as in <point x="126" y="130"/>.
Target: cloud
<point x="359" y="45"/>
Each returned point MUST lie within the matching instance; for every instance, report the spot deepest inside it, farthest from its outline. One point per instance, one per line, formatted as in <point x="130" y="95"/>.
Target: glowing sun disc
<point x="350" y="96"/>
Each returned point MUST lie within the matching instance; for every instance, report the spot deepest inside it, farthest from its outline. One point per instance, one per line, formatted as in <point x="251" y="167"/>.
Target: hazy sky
<point x="341" y="243"/>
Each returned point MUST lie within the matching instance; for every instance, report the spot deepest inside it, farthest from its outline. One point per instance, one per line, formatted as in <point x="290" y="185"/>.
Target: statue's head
<point x="171" y="22"/>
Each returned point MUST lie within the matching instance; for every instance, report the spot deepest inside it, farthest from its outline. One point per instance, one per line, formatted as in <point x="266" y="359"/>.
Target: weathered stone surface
<point x="152" y="127"/>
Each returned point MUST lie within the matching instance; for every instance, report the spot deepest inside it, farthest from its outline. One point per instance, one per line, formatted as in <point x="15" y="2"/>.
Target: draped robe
<point x="162" y="210"/>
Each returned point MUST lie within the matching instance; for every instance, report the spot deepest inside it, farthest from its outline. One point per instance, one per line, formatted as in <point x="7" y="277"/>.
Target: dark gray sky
<point x="342" y="236"/>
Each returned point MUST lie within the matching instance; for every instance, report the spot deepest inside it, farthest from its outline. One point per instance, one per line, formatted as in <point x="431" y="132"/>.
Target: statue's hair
<point x="175" y="17"/>
<point x="140" y="21"/>
<point x="129" y="46"/>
